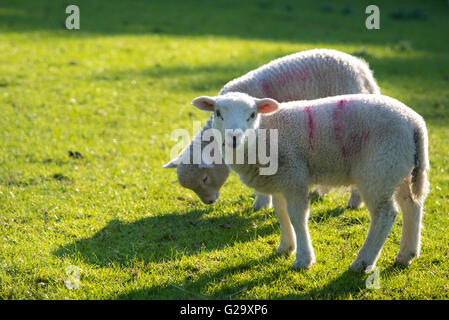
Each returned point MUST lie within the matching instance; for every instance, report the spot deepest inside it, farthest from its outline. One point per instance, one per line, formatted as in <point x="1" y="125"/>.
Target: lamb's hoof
<point x="352" y="207"/>
<point x="354" y="204"/>
<point x="403" y="260"/>
<point x="360" y="266"/>
<point x="303" y="264"/>
<point x="261" y="204"/>
<point x="284" y="250"/>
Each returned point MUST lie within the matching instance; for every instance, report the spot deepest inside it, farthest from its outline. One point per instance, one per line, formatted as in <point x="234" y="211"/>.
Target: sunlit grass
<point x="114" y="91"/>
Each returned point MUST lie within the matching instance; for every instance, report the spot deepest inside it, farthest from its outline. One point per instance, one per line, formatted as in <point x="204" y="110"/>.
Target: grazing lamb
<point x="306" y="75"/>
<point x="372" y="141"/>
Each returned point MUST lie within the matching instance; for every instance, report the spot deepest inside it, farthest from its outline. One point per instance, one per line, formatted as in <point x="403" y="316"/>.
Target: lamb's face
<point x="205" y="182"/>
<point x="235" y="114"/>
<point x="233" y="118"/>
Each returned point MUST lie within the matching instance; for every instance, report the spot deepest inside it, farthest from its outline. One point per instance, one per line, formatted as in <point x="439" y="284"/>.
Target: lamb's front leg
<point x="298" y="211"/>
<point x="288" y="243"/>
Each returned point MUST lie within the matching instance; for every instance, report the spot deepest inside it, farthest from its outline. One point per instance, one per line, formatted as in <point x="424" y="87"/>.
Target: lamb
<point x="372" y="141"/>
<point x="304" y="75"/>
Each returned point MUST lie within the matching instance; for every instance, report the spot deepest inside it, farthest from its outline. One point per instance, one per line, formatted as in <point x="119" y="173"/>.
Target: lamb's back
<point x="307" y="75"/>
<point x="333" y="134"/>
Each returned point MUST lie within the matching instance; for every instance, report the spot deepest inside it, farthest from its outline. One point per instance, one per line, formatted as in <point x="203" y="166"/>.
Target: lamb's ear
<point x="204" y="103"/>
<point x="266" y="105"/>
<point x="172" y="164"/>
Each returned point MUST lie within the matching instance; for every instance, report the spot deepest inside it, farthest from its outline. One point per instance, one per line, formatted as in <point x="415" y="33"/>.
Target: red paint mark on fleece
<point x="266" y="88"/>
<point x="293" y="75"/>
<point x="339" y="130"/>
<point x="350" y="142"/>
<point x="310" y="126"/>
<point x="356" y="142"/>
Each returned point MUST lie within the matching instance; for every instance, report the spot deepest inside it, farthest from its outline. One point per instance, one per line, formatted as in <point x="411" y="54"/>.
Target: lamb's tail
<point x="420" y="182"/>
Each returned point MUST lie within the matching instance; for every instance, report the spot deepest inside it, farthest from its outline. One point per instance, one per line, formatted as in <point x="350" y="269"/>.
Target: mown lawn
<point x="113" y="92"/>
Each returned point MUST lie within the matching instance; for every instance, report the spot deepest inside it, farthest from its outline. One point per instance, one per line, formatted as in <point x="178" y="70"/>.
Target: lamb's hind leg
<point x="287" y="244"/>
<point x="262" y="201"/>
<point x="383" y="213"/>
<point x="355" y="201"/>
<point x="411" y="224"/>
<point x="322" y="191"/>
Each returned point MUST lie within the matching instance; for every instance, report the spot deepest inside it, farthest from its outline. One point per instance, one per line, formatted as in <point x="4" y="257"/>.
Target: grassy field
<point x="115" y="89"/>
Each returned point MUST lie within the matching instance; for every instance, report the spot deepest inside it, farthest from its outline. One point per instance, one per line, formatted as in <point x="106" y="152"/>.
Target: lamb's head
<point x="235" y="113"/>
<point x="205" y="180"/>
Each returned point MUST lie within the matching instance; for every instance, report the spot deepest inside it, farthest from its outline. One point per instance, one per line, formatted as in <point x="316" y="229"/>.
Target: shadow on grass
<point x="326" y="214"/>
<point x="195" y="287"/>
<point x="345" y="285"/>
<point x="167" y="236"/>
<point x="295" y="21"/>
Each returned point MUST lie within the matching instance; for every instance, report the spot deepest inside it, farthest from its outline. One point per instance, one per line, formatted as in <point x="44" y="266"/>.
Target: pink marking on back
<point x="301" y="74"/>
<point x="310" y="126"/>
<point x="269" y="88"/>
<point x="282" y="79"/>
<point x="349" y="141"/>
<point x="342" y="103"/>
<point x="292" y="76"/>
<point x="356" y="141"/>
<point x="266" y="88"/>
<point x="339" y="130"/>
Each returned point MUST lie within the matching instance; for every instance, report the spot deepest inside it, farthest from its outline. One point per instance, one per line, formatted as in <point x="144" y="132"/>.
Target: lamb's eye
<point x="252" y="116"/>
<point x="204" y="179"/>
<point x="218" y="114"/>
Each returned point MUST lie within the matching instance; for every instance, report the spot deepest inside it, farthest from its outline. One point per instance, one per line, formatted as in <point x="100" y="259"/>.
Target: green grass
<point x="114" y="91"/>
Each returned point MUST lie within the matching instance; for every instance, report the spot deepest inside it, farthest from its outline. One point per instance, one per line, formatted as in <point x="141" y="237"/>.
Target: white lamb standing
<point x="372" y="141"/>
<point x="305" y="75"/>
